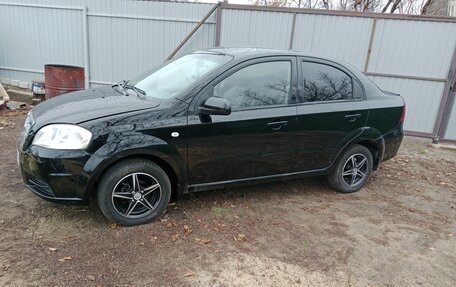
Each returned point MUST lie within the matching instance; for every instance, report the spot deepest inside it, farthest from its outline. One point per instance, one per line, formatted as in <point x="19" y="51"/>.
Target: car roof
<point x="248" y="52"/>
<point x="245" y="53"/>
<point x="241" y="54"/>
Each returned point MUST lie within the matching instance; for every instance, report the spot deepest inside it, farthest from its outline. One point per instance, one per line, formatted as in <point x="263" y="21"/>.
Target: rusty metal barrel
<point x="61" y="79"/>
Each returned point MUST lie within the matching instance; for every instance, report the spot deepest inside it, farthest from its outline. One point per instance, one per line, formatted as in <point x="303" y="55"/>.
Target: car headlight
<point x="62" y="136"/>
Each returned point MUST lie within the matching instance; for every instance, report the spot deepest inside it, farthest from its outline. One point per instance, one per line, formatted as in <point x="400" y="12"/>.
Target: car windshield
<point x="172" y="78"/>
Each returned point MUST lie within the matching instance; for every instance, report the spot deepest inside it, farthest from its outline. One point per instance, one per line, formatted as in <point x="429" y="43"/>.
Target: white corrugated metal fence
<point x="123" y="37"/>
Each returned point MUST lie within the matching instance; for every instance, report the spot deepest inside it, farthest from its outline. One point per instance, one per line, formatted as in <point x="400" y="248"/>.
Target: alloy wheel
<point x="136" y="195"/>
<point x="355" y="169"/>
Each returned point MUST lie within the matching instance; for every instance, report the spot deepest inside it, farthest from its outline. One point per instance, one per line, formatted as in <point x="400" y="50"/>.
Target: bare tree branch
<point x="376" y="6"/>
<point x="395" y="6"/>
<point x="386" y="6"/>
<point x="425" y="7"/>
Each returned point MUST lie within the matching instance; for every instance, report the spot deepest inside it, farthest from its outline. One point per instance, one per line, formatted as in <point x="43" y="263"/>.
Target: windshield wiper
<point x="121" y="86"/>
<point x="124" y="86"/>
<point x="138" y="91"/>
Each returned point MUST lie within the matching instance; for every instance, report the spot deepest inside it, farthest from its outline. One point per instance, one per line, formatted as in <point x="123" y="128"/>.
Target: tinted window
<point x="261" y="84"/>
<point x="325" y="83"/>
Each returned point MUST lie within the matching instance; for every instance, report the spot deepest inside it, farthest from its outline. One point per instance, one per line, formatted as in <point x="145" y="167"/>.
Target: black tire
<point x="344" y="177"/>
<point x="134" y="192"/>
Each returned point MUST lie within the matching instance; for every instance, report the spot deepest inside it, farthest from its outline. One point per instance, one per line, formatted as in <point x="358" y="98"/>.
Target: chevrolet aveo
<point x="209" y="119"/>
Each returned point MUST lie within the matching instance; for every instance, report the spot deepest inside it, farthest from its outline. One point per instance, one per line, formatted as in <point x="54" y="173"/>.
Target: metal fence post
<point x="371" y="41"/>
<point x="447" y="102"/>
<point x="85" y="33"/>
<point x="218" y="25"/>
<point x="200" y="23"/>
<point x="293" y="25"/>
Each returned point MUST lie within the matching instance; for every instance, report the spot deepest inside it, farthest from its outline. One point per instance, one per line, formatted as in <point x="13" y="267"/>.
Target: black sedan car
<point x="207" y="120"/>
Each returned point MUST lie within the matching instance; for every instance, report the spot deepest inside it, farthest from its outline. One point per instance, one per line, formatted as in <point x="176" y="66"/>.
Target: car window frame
<point x="299" y="97"/>
<point x="292" y="98"/>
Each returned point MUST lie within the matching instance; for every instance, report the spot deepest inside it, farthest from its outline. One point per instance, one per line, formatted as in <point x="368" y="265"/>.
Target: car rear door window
<point x="262" y="84"/>
<point x="325" y="83"/>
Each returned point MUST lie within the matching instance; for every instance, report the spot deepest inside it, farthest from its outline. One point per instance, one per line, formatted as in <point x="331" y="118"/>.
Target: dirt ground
<point x="398" y="231"/>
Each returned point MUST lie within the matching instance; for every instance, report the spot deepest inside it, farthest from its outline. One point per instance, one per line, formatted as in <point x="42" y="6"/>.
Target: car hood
<point x="86" y="105"/>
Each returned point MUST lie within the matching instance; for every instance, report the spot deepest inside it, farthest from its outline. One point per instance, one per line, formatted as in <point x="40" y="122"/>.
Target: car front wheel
<point x="352" y="170"/>
<point x="134" y="192"/>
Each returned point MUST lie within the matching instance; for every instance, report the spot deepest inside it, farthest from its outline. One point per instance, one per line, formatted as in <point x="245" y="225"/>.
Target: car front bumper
<point x="54" y="175"/>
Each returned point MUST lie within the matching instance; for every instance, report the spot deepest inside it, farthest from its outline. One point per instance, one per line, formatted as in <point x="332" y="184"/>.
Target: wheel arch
<point x="176" y="175"/>
<point x="368" y="137"/>
<point x="373" y="140"/>
<point x="374" y="149"/>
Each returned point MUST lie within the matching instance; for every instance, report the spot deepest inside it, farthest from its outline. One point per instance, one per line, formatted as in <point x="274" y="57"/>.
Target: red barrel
<point x="61" y="79"/>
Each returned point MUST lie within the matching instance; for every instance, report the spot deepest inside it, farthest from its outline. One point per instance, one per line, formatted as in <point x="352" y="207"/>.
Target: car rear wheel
<point x="134" y="192"/>
<point x="352" y="170"/>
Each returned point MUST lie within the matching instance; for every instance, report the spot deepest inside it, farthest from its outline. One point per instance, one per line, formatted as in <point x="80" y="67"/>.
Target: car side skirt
<point x="256" y="180"/>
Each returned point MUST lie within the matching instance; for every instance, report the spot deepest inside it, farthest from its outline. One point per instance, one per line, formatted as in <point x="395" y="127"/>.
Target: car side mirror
<point x="215" y="106"/>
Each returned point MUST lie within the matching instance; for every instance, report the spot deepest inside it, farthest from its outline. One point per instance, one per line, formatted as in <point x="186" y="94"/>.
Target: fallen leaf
<point x="91" y="278"/>
<point x="187" y="230"/>
<point x="175" y="237"/>
<point x="204" y="241"/>
<point x="219" y="226"/>
<point x="241" y="237"/>
<point x="114" y="225"/>
<point x="52" y="249"/>
<point x="189" y="274"/>
<point x="66" y="258"/>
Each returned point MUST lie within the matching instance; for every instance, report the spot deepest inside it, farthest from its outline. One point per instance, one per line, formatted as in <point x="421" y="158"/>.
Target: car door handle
<point x="277" y="125"/>
<point x="352" y="117"/>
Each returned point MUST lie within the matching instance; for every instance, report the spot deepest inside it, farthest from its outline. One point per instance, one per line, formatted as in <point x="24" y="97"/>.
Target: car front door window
<point x="263" y="84"/>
